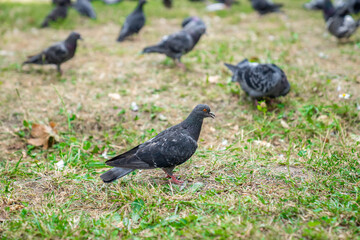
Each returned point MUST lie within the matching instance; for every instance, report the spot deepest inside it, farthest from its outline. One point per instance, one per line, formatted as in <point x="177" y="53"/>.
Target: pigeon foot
<point x="175" y="180"/>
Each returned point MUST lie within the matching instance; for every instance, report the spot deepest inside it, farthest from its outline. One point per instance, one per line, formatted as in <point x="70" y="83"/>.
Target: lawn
<point x="290" y="170"/>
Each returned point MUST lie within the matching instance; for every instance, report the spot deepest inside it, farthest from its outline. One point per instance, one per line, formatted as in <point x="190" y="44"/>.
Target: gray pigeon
<point x="60" y="11"/>
<point x="167" y="3"/>
<point x="180" y="43"/>
<point x="57" y="53"/>
<point x="168" y="149"/>
<point x="85" y="8"/>
<point x="265" y="6"/>
<point x="197" y="20"/>
<point x="133" y="23"/>
<point x="338" y="23"/>
<point x="260" y="81"/>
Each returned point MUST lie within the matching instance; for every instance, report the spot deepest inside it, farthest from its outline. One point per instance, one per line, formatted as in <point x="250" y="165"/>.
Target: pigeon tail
<point x="153" y="49"/>
<point x="37" y="59"/>
<point x="115" y="173"/>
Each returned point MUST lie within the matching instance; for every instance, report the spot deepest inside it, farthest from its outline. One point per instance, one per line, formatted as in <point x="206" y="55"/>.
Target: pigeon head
<point x="202" y="111"/>
<point x="328" y="9"/>
<point x="74" y="36"/>
<point x="142" y="2"/>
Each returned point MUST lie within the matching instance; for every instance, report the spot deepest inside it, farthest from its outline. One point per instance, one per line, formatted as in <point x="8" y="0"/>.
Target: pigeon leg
<point x="180" y="64"/>
<point x="170" y="174"/>
<point x="59" y="69"/>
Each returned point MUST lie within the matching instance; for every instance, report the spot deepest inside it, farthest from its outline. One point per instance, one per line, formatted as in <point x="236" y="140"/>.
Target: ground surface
<point x="289" y="171"/>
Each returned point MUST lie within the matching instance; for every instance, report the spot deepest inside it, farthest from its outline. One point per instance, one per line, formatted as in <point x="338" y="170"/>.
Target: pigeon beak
<point x="212" y="115"/>
<point x="80" y="38"/>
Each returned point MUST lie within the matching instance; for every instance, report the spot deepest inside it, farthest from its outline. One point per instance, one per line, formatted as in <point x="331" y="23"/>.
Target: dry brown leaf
<point x="284" y="124"/>
<point x="43" y="135"/>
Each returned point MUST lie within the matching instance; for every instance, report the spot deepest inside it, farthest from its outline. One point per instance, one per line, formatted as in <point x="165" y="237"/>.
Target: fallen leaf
<point x="43" y="135"/>
<point x="114" y="96"/>
<point x="284" y="124"/>
<point x="214" y="79"/>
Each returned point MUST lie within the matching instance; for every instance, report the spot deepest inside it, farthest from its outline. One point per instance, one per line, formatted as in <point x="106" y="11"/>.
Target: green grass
<point x="286" y="171"/>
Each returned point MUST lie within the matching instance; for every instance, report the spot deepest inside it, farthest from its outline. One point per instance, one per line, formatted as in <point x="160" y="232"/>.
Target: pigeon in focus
<point x="57" y="53"/>
<point x="340" y="25"/>
<point x="168" y="149"/>
<point x="85" y="8"/>
<point x="180" y="43"/>
<point x="133" y="23"/>
<point x="260" y="81"/>
<point x="167" y="3"/>
<point x="265" y="6"/>
<point x="60" y="11"/>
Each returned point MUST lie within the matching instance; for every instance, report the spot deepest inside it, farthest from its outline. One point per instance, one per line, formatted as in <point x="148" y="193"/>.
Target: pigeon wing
<point x="57" y="53"/>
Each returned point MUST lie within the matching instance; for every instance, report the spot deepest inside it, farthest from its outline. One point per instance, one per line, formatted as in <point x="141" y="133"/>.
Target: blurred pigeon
<point x="315" y="5"/>
<point x="168" y="149"/>
<point x="111" y="1"/>
<point x="339" y="24"/>
<point x="61" y="2"/>
<point x="134" y="22"/>
<point x="85" y="8"/>
<point x="167" y="3"/>
<point x="60" y="11"/>
<point x="57" y="53"/>
<point x="265" y="6"/>
<point x="180" y="43"/>
<point x="260" y="80"/>
<point x="348" y="7"/>
<point x="197" y="20"/>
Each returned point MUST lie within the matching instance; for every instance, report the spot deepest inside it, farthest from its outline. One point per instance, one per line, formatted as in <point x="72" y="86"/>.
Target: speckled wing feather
<point x="341" y="27"/>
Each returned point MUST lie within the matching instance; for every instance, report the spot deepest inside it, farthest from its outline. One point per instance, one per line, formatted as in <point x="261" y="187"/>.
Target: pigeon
<point x="168" y="149"/>
<point x="265" y="6"/>
<point x="180" y="43"/>
<point x="260" y="81"/>
<point x="167" y="3"/>
<point x="134" y="22"/>
<point x="314" y="5"/>
<point x="197" y="20"/>
<point x="57" y="53"/>
<point x="60" y="11"/>
<point x="339" y="24"/>
<point x="85" y="8"/>
<point x="111" y="1"/>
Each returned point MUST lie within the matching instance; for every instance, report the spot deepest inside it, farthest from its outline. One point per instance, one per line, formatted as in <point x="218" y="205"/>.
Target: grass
<point x="287" y="171"/>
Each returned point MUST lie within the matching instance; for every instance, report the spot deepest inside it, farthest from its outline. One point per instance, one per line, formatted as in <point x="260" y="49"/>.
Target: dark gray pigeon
<point x="180" y="43"/>
<point x="168" y="149"/>
<point x="60" y="11"/>
<point x="167" y="3"/>
<point x="338" y="23"/>
<point x="85" y="8"/>
<point x="260" y="81"/>
<point x="111" y="1"/>
<point x="196" y="20"/>
<point x="133" y="23"/>
<point x="265" y="6"/>
<point x="57" y="53"/>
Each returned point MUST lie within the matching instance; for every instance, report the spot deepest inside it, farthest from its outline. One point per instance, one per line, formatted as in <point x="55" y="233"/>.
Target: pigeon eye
<point x="204" y="110"/>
